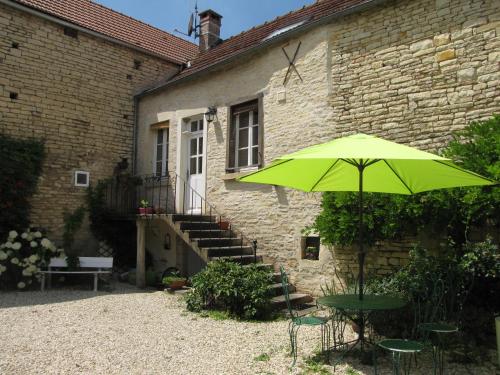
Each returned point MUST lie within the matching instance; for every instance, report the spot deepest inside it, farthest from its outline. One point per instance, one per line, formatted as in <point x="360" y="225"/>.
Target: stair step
<point x="278" y="288"/>
<point x="228" y="251"/>
<point x="217" y="242"/>
<point x="198" y="225"/>
<point x="244" y="259"/>
<point x="277" y="277"/>
<point x="295" y="298"/>
<point x="266" y="266"/>
<point x="198" y="218"/>
<point x="209" y="233"/>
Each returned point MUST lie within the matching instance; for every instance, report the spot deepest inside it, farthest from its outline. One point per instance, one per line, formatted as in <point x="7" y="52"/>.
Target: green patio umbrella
<point x="364" y="163"/>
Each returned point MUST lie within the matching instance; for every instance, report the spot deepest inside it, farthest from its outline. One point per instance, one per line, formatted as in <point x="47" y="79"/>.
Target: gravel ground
<point x="128" y="331"/>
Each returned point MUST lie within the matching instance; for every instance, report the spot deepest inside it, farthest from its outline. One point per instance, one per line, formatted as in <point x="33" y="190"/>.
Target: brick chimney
<point x="210" y="23"/>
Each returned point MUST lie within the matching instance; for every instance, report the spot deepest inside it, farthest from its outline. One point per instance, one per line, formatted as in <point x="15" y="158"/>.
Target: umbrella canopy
<point x="386" y="167"/>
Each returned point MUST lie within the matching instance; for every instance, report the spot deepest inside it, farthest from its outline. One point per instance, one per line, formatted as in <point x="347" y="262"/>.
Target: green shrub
<point x="20" y="165"/>
<point x="461" y="287"/>
<point x="23" y="255"/>
<point x="243" y="291"/>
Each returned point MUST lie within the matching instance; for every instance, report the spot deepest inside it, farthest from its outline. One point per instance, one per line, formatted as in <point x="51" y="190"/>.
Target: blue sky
<point x="238" y="15"/>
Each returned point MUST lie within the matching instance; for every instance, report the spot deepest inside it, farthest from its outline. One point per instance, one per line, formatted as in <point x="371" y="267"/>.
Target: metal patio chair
<point x="298" y="321"/>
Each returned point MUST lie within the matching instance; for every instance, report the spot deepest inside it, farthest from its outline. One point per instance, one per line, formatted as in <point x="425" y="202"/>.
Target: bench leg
<point x="42" y="284"/>
<point x="95" y="282"/>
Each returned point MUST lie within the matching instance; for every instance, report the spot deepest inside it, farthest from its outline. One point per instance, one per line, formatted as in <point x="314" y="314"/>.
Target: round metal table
<point x="349" y="304"/>
<point x="369" y="302"/>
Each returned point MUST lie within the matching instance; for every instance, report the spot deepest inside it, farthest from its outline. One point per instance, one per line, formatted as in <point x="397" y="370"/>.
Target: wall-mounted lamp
<point x="211" y="114"/>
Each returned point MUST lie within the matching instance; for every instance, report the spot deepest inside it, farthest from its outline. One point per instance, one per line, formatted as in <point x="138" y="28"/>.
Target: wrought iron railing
<point x="168" y="194"/>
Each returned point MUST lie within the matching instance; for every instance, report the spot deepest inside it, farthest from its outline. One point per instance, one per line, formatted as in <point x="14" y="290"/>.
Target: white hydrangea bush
<point x="23" y="255"/>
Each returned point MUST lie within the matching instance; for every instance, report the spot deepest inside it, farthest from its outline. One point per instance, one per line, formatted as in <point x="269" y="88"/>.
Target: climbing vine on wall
<point x="20" y="165"/>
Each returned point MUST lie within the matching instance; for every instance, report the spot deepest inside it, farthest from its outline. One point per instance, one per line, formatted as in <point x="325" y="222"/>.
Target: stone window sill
<point x="235" y="175"/>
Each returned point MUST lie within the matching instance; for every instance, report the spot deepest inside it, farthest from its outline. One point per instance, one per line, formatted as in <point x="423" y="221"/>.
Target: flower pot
<point x="146" y="210"/>
<point x="177" y="284"/>
<point x="224" y="225"/>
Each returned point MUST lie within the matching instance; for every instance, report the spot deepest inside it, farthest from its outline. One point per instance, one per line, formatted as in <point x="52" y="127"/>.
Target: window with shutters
<point x="245" y="137"/>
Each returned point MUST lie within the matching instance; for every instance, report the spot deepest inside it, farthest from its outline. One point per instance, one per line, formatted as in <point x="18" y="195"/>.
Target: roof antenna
<point x="193" y="26"/>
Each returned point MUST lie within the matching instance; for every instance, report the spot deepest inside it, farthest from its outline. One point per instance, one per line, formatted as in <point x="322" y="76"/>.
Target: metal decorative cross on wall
<point x="291" y="64"/>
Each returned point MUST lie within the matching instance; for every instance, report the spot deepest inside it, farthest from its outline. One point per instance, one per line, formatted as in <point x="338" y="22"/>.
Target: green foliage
<point x="447" y="212"/>
<point x="243" y="291"/>
<point x="453" y="286"/>
<point x="21" y="165"/>
<point x="73" y="262"/>
<point x="72" y="223"/>
<point x="167" y="280"/>
<point x="264" y="357"/>
<point x="22" y="256"/>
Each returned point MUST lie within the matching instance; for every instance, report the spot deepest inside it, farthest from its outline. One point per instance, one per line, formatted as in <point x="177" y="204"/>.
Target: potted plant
<point x="224" y="225"/>
<point x="174" y="282"/>
<point x="145" y="208"/>
<point x="312" y="253"/>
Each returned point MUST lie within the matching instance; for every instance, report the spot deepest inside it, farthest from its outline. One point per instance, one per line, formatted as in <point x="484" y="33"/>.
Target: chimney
<point x="210" y="22"/>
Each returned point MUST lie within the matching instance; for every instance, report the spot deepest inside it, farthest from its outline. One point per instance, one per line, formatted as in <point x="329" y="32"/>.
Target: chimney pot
<point x="210" y="23"/>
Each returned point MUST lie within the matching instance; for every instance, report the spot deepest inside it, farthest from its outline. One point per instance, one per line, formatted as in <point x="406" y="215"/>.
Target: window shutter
<point x="260" y="109"/>
<point x="231" y="142"/>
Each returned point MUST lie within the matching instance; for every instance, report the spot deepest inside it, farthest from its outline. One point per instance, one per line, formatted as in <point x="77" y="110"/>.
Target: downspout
<point x="134" y="135"/>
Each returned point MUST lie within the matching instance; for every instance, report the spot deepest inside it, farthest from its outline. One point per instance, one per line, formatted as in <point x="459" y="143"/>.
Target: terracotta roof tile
<point x="106" y="21"/>
<point x="259" y="34"/>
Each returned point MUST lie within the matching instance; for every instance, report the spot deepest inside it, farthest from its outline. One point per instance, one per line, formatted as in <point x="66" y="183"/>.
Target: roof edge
<point x="298" y="30"/>
<point x="60" y="21"/>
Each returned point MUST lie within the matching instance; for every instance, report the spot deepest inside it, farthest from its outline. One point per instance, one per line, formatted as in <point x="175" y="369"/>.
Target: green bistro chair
<point x="298" y="321"/>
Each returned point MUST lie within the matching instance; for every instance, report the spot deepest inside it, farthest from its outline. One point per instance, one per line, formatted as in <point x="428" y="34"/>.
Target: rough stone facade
<point x="409" y="71"/>
<point x="77" y="94"/>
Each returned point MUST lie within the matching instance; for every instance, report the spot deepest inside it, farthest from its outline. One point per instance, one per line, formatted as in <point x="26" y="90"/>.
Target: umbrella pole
<point x="361" y="254"/>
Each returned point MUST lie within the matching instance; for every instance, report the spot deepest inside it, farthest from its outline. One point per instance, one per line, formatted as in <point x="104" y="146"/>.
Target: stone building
<point x="69" y="70"/>
<point x="410" y="71"/>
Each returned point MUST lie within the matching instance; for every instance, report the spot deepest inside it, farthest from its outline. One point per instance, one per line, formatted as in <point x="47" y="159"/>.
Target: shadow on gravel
<point x="60" y="294"/>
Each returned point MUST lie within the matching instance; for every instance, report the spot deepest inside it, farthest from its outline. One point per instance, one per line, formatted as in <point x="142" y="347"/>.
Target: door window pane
<point x="200" y="149"/>
<point x="200" y="127"/>
<point x="192" y="166"/>
<point x="194" y="126"/>
<point x="160" y="136"/>
<point x="194" y="149"/>
<point x="255" y="119"/>
<point x="200" y="164"/>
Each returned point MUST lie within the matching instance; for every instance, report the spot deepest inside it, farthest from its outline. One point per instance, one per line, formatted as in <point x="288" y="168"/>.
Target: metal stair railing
<point x="163" y="194"/>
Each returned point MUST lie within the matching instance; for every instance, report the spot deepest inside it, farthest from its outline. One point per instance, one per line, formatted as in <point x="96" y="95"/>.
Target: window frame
<point x="164" y="150"/>
<point x="232" y="146"/>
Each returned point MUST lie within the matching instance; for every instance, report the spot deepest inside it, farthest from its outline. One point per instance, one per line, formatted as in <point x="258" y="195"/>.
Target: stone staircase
<point x="204" y="235"/>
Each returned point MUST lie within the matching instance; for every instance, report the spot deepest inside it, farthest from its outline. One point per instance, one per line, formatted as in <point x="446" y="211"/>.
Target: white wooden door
<point x="195" y="169"/>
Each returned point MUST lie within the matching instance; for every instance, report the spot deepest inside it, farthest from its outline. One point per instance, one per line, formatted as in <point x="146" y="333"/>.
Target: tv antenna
<point x="193" y="26"/>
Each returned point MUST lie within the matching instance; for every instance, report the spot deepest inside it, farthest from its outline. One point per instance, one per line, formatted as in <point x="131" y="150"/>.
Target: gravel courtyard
<point x="128" y="331"/>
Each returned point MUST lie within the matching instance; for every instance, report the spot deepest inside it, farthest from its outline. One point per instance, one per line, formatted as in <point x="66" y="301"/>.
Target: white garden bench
<point x="88" y="265"/>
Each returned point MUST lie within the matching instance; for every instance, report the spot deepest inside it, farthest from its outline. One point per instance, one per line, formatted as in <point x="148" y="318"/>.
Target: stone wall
<point x="77" y="95"/>
<point x="409" y="71"/>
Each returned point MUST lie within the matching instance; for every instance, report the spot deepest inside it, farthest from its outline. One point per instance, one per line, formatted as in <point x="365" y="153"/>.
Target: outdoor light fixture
<point x="211" y="114"/>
